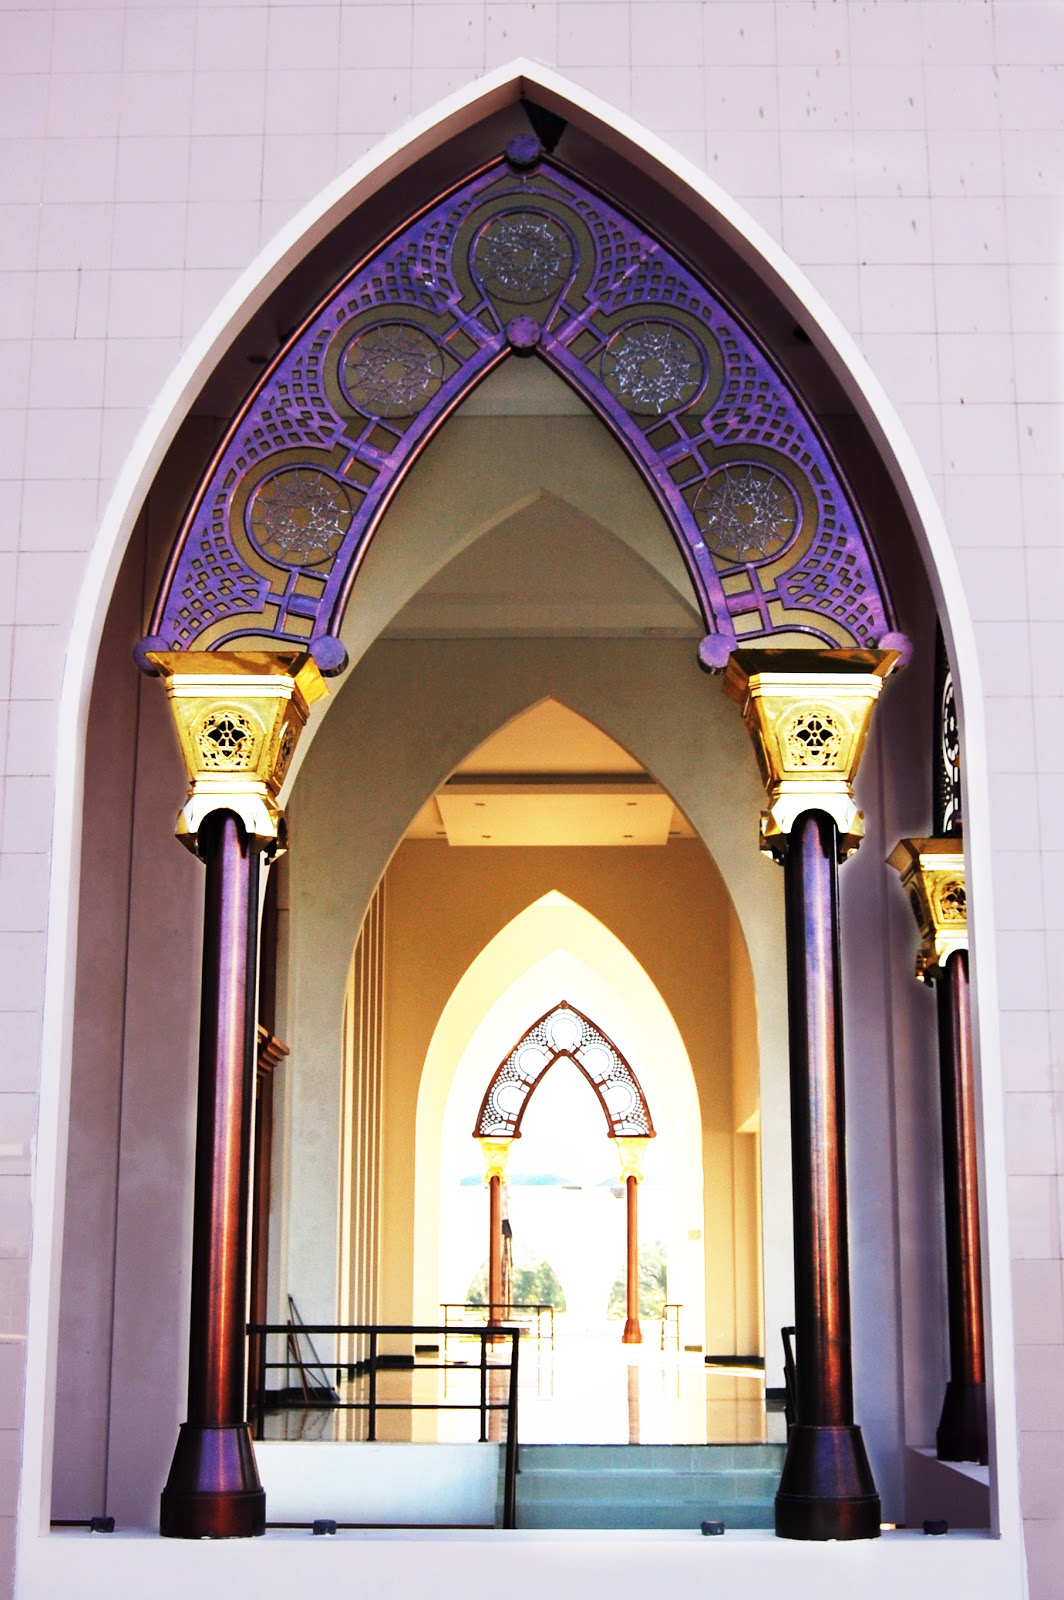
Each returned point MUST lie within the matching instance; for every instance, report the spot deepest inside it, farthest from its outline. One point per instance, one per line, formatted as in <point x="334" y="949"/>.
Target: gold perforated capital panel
<point x="238" y="717"/>
<point x="808" y="713"/>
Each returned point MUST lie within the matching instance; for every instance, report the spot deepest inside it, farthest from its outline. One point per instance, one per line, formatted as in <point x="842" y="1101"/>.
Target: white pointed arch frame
<point x="492" y="92"/>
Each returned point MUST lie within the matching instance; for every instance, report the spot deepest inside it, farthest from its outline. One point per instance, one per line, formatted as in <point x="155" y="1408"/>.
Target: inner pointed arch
<point x="523" y="261"/>
<point x="564" y="1031"/>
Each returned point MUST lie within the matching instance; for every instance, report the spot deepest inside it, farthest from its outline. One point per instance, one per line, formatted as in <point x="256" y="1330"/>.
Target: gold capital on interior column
<point x="808" y="714"/>
<point x="631" y="1154"/>
<point x="238" y="716"/>
<point x="932" y="875"/>
<point x="496" y="1153"/>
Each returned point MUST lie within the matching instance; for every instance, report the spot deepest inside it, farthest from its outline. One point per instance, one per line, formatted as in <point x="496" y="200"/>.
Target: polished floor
<point x="586" y="1389"/>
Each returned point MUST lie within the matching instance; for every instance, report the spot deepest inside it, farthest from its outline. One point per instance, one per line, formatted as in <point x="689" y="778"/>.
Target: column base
<point x="213" y="1491"/>
<point x="827" y="1490"/>
<point x="961" y="1434"/>
<point x="633" y="1333"/>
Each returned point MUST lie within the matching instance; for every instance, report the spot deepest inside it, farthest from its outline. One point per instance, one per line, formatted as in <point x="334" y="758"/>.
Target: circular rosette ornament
<point x="653" y="368"/>
<point x="746" y="513"/>
<point x="392" y="370"/>
<point x="298" y="517"/>
<point x="523" y="258"/>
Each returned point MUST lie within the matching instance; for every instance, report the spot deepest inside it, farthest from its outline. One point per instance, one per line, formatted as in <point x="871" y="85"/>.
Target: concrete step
<point x="651" y="1457"/>
<point x="589" y="1513"/>
<point x="647" y="1486"/>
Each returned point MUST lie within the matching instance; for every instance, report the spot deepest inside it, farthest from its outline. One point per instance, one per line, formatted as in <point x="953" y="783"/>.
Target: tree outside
<point x="653" y="1284"/>
<point x="537" y="1284"/>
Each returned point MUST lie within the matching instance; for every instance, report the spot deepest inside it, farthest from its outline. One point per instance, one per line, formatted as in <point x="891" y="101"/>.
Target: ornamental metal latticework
<point x="226" y="741"/>
<point x="522" y="260"/>
<point x="564" y="1032"/>
<point x="948" y="760"/>
<point x="813" y="739"/>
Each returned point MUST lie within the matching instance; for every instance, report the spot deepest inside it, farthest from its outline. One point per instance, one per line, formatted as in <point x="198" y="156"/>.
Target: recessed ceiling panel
<point x="521" y="817"/>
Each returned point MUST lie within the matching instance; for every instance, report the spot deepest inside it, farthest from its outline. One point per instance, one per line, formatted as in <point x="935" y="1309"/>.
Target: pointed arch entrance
<point x="564" y="1033"/>
<point x="71" y="724"/>
<point x="555" y="945"/>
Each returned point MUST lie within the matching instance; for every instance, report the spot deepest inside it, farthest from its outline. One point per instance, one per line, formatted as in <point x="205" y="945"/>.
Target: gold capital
<point x="808" y="713"/>
<point x="238" y="716"/>
<point x="631" y="1153"/>
<point x="496" y="1153"/>
<point x="932" y="875"/>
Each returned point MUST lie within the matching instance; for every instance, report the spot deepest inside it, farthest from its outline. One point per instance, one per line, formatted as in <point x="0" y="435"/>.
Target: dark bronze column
<point x="633" y="1333"/>
<point x="270" y="1053"/>
<point x="495" y="1153"/>
<point x="932" y="873"/>
<point x="826" y="1490"/>
<point x="495" y="1307"/>
<point x="808" y="713"/>
<point x="631" y="1152"/>
<point x="238" y="717"/>
<point x="961" y="1432"/>
<point x="213" y="1490"/>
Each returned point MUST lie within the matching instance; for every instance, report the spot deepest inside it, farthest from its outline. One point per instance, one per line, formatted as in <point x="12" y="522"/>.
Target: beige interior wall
<point x="670" y="908"/>
<point x="751" y="1334"/>
<point x="361" y="1121"/>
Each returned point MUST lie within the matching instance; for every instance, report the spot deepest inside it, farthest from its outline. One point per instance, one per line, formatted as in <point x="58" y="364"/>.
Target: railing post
<point x="372" y="1428"/>
<point x="260" y="1429"/>
<point x="509" y="1511"/>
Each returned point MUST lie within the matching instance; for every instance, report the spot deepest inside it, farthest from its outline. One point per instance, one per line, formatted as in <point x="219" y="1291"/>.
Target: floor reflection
<point x="588" y="1389"/>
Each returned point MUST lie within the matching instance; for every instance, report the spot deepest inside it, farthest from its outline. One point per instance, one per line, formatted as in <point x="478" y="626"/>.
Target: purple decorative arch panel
<point x="521" y="264"/>
<point x="564" y="1032"/>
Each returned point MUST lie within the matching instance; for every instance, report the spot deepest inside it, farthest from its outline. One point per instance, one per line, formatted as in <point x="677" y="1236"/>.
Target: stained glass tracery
<point x="526" y="259"/>
<point x="564" y="1032"/>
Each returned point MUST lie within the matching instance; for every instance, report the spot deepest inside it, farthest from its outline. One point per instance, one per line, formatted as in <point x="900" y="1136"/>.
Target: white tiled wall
<point x="908" y="153"/>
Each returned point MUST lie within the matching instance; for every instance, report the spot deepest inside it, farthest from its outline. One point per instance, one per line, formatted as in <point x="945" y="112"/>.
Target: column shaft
<point x="633" y="1333"/>
<point x="213" y="1489"/>
<point x="962" y="1432"/>
<point x="494" y="1250"/>
<point x="827" y="1490"/>
<point x="260" y="1232"/>
<point x="821" y="1255"/>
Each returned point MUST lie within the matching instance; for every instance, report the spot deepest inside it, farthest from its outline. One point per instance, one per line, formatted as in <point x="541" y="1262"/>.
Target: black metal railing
<point x="790" y="1377"/>
<point x="378" y="1360"/>
<point x="511" y="1310"/>
<point x="670" y="1322"/>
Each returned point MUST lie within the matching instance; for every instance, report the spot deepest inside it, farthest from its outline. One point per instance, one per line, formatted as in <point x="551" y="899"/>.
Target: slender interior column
<point x="826" y="1489"/>
<point x="932" y="875"/>
<point x="213" y="1490"/>
<point x="495" y="1307"/>
<point x="962" y="1431"/>
<point x="808" y="713"/>
<point x="268" y="1051"/>
<point x="633" y="1333"/>
<point x="238" y="716"/>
